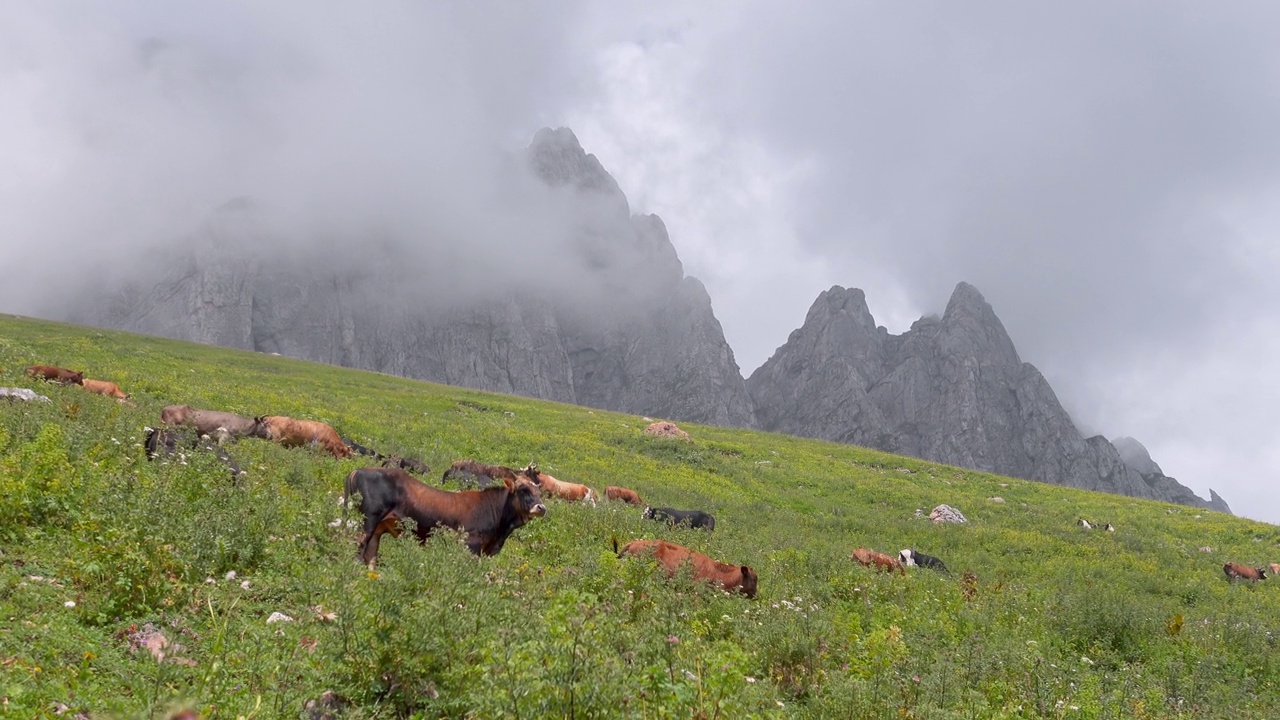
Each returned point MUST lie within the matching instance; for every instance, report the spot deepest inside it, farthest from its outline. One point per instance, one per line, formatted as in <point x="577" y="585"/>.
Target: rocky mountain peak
<point x="558" y="159"/>
<point x="971" y="328"/>
<point x="950" y="389"/>
<point x="1135" y="455"/>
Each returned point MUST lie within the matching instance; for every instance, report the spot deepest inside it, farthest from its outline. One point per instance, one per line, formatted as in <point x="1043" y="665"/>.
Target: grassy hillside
<point x="98" y="546"/>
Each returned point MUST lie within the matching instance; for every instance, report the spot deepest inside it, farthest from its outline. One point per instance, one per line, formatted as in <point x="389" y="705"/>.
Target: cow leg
<point x="369" y="548"/>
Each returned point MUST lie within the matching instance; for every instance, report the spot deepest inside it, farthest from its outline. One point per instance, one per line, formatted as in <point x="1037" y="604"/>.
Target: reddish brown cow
<point x="102" y="387"/>
<point x="672" y="557"/>
<point x="570" y="492"/>
<point x="487" y="517"/>
<point x="207" y="422"/>
<point x="291" y="432"/>
<point x="868" y="558"/>
<point x="62" y="376"/>
<point x="1236" y="571"/>
<point x="613" y="492"/>
<point x="1274" y="568"/>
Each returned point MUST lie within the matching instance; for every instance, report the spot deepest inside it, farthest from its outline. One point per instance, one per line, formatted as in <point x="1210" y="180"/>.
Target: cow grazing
<point x="1274" y="568"/>
<point x="692" y="518"/>
<point x="102" y="387"/>
<point x="878" y="560"/>
<point x="671" y="557"/>
<point x="1236" y="571"/>
<point x="1085" y="524"/>
<point x="163" y="441"/>
<point x="291" y="432"/>
<point x="478" y="474"/>
<point x="487" y="517"/>
<point x="207" y="422"/>
<point x="567" y="491"/>
<point x="62" y="376"/>
<point x="612" y="492"/>
<point x="911" y="558"/>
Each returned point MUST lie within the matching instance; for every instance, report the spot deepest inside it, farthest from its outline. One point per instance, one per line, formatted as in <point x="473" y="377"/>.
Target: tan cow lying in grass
<point x="571" y="492"/>
<point x="671" y="557"/>
<point x="291" y="432"/>
<point x="1236" y="571"/>
<point x="870" y="558"/>
<point x="614" y="492"/>
<point x="102" y="387"/>
<point x="207" y="422"/>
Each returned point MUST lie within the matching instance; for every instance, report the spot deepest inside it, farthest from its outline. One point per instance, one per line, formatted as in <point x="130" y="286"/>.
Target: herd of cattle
<point x="503" y="499"/>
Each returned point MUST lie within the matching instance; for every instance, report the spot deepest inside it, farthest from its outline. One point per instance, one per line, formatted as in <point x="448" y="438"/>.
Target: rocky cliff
<point x="632" y="333"/>
<point x="950" y="389"/>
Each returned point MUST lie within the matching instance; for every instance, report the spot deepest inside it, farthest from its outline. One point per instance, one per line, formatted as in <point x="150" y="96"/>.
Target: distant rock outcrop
<point x="631" y="334"/>
<point x="950" y="389"/>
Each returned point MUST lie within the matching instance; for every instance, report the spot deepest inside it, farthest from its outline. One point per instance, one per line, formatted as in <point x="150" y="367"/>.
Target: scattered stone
<point x="24" y="394"/>
<point x="996" y="499"/>
<point x="1206" y="549"/>
<point x="945" y="514"/>
<point x="665" y="429"/>
<point x="278" y="617"/>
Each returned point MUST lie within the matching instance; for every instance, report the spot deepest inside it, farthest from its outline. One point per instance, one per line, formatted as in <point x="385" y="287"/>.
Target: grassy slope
<point x="1060" y="622"/>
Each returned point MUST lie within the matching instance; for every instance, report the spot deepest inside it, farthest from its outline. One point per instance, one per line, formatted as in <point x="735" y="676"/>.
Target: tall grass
<point x="1038" y="618"/>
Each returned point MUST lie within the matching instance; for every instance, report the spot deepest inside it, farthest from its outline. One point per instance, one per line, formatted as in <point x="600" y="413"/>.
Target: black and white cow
<point x="911" y="558"/>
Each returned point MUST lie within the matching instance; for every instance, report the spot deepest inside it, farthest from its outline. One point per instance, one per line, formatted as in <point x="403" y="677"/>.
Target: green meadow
<point x="131" y="588"/>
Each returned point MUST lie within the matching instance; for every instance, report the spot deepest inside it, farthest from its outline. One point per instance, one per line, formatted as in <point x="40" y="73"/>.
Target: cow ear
<point x="511" y="484"/>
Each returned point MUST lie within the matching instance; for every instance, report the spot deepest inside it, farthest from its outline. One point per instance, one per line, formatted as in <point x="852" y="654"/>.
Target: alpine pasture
<point x="131" y="588"/>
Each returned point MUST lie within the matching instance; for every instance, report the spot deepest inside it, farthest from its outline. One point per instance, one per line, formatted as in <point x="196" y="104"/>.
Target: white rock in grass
<point x="278" y="617"/>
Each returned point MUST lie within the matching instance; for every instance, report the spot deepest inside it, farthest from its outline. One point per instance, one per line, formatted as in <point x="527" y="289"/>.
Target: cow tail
<point x="346" y="495"/>
<point x="615" y="545"/>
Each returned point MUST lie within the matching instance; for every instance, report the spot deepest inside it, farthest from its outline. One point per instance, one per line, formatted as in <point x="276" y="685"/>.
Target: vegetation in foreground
<point x="129" y="588"/>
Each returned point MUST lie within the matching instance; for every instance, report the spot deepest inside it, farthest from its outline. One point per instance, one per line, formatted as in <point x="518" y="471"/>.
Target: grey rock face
<point x="950" y="389"/>
<point x="1135" y="455"/>
<point x="631" y="334"/>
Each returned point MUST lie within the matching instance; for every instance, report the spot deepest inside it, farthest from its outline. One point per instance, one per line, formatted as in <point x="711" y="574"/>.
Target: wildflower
<point x="231" y="575"/>
<point x="69" y="603"/>
<point x="780" y="703"/>
<point x="673" y="640"/>
<point x="244" y="585"/>
<point x="750" y="679"/>
<point x="1084" y="659"/>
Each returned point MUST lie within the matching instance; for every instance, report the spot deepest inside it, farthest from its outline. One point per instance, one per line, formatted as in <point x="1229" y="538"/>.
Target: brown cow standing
<point x="207" y="422"/>
<point x="672" y="557"/>
<point x="613" y="492"/>
<point x="570" y="492"/>
<point x="1243" y="572"/>
<point x="62" y="376"/>
<point x="291" y="432"/>
<point x="102" y="387"/>
<point x="881" y="561"/>
<point x="488" y="517"/>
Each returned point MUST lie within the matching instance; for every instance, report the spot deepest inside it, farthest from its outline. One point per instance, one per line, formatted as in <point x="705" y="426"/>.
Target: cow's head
<point x="526" y="498"/>
<point x="648" y="513"/>
<point x="261" y="428"/>
<point x="749" y="582"/>
<point x="906" y="557"/>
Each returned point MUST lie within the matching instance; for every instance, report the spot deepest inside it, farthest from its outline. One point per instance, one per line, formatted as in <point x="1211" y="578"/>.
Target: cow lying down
<point x="487" y="517"/>
<point x="1236" y="571"/>
<point x="911" y="558"/>
<point x="164" y="441"/>
<point x="413" y="465"/>
<point x="880" y="561"/>
<point x="671" y="557"/>
<point x="672" y="516"/>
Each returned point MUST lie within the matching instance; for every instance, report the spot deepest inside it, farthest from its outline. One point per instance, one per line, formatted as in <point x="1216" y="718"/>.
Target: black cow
<point x="359" y="449"/>
<point x="482" y="475"/>
<point x="913" y="557"/>
<point x="167" y="442"/>
<point x="692" y="518"/>
<point x="488" y="517"/>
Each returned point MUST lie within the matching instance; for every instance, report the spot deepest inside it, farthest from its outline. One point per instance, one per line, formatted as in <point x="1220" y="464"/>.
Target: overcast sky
<point x="1107" y="174"/>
